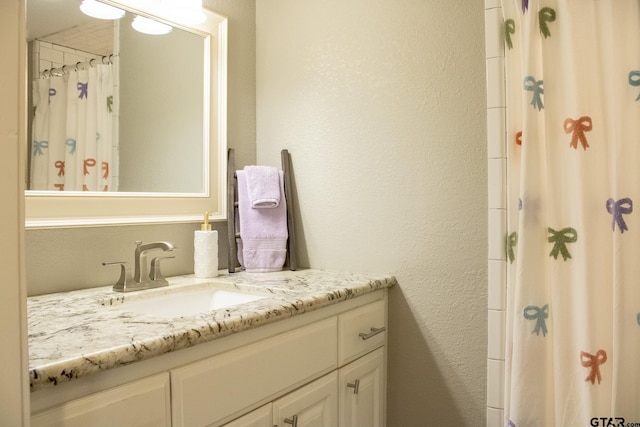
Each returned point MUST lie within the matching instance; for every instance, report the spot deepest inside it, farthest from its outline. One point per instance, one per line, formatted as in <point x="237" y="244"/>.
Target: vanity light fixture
<point x="186" y="11"/>
<point x="149" y="26"/>
<point x="95" y="9"/>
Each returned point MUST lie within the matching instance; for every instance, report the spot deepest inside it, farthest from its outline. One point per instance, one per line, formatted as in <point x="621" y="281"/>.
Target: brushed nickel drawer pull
<point x="293" y="421"/>
<point x="373" y="333"/>
<point x="355" y="386"/>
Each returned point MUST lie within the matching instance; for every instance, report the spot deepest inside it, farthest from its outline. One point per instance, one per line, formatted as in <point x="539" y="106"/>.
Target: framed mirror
<point x="166" y="156"/>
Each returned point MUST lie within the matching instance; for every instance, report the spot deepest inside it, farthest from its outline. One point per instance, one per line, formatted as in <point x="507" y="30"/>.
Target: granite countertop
<point x="73" y="334"/>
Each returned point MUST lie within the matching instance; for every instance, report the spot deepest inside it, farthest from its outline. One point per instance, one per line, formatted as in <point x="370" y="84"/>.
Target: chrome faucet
<point x="143" y="277"/>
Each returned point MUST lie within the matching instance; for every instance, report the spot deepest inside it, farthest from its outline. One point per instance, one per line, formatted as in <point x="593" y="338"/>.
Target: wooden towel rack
<point x="232" y="206"/>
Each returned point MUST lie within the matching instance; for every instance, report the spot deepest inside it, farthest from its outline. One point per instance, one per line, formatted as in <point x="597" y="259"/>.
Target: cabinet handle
<point x="293" y="421"/>
<point x="355" y="386"/>
<point x="373" y="333"/>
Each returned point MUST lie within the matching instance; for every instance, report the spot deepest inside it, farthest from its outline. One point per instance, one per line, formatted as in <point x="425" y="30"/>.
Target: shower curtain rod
<point x="108" y="59"/>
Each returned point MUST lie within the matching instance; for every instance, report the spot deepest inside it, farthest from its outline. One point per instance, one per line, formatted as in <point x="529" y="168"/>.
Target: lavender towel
<point x="262" y="246"/>
<point x="263" y="186"/>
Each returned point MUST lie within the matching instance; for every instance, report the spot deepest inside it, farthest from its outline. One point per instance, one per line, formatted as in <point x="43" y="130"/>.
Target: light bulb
<point x="95" y="9"/>
<point x="186" y="11"/>
<point x="149" y="26"/>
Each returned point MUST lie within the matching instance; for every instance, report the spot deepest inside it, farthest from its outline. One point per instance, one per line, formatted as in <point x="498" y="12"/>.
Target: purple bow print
<point x="617" y="209"/>
<point x="82" y="87"/>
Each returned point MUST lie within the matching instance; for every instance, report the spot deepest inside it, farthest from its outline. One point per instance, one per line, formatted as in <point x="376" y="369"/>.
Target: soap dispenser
<point x="205" y="253"/>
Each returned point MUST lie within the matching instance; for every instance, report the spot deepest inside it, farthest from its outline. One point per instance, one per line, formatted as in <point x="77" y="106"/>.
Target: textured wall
<point x="382" y="106"/>
<point x="64" y="259"/>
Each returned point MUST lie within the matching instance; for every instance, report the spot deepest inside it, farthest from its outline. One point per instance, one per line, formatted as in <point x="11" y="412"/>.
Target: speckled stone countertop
<point x="73" y="334"/>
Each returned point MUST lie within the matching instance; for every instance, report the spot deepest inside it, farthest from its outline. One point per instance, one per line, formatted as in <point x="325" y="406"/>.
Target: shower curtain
<point x="572" y="345"/>
<point x="72" y="131"/>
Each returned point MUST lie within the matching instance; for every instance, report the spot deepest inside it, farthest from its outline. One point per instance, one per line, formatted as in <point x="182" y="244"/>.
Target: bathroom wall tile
<point x="496" y="334"/>
<point x="493" y="24"/>
<point x="71" y="58"/>
<point x="497" y="170"/>
<point x="496" y="135"/>
<point x="51" y="55"/>
<point x="495" y="417"/>
<point x="495" y="83"/>
<point x="64" y="49"/>
<point x="497" y="232"/>
<point x="496" y="158"/>
<point x="44" y="65"/>
<point x="35" y="66"/>
<point x="497" y="285"/>
<point x="495" y="383"/>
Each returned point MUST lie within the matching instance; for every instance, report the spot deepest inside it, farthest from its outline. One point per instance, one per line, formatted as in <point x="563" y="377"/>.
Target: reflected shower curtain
<point x="72" y="131"/>
<point x="572" y="354"/>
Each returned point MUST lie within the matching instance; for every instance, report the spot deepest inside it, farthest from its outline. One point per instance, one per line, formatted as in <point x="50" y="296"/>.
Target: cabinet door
<point x="314" y="405"/>
<point x="140" y="403"/>
<point x="362" y="391"/>
<point x="260" y="417"/>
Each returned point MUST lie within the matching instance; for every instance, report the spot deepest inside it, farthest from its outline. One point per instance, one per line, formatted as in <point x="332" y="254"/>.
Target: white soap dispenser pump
<point x="205" y="250"/>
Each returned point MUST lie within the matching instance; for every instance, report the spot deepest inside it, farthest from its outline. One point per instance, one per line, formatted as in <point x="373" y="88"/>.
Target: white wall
<point x="382" y="106"/>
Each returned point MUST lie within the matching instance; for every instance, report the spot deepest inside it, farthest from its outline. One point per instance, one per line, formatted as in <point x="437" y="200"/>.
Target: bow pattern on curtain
<point x="72" y="131"/>
<point x="572" y="351"/>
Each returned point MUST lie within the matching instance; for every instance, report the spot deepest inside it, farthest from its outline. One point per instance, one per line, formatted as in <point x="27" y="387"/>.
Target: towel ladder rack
<point x="232" y="208"/>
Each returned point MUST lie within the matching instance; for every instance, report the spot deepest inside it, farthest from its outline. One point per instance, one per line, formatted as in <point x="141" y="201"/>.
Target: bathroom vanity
<point x="311" y="350"/>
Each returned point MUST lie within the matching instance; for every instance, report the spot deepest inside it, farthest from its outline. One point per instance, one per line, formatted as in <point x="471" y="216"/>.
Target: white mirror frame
<point x="76" y="209"/>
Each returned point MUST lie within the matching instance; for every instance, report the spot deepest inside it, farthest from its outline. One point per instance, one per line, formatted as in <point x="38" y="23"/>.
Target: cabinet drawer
<point x="140" y="403"/>
<point x="360" y="331"/>
<point x="212" y="390"/>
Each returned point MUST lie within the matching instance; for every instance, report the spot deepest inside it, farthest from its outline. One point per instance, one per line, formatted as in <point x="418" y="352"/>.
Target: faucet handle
<point x="155" y="274"/>
<point x="125" y="275"/>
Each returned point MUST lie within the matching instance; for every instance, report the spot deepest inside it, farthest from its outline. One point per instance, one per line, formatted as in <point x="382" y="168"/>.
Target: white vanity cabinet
<point x="351" y="396"/>
<point x="313" y="405"/>
<point x="323" y="369"/>
<point x="144" y="402"/>
<point x="210" y="391"/>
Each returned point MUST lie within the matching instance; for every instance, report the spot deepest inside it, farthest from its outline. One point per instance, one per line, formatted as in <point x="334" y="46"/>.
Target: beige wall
<point x="14" y="387"/>
<point x="382" y="106"/>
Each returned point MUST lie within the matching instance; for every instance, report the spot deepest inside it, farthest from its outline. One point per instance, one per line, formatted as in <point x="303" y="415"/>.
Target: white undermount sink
<point x="187" y="303"/>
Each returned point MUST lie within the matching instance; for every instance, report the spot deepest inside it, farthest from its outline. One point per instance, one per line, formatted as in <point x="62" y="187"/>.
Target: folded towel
<point x="263" y="185"/>
<point x="263" y="232"/>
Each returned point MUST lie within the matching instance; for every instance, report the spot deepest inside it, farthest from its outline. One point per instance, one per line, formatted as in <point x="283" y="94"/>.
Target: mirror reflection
<point x="114" y="109"/>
